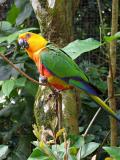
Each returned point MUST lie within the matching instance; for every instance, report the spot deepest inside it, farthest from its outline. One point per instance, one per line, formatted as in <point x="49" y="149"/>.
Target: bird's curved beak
<point x="23" y="43"/>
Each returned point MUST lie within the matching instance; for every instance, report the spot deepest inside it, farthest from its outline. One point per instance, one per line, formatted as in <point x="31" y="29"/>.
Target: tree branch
<point x="112" y="71"/>
<point x="20" y="71"/>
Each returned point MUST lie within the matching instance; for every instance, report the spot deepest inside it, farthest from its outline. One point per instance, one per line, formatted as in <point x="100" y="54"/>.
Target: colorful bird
<point x="60" y="71"/>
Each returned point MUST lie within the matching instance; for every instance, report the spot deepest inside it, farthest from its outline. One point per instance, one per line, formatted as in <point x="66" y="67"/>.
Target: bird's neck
<point x="36" y="57"/>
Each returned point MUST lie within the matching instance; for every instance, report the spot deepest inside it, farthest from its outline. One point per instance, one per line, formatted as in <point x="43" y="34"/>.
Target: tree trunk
<point x="56" y="24"/>
<point x="112" y="72"/>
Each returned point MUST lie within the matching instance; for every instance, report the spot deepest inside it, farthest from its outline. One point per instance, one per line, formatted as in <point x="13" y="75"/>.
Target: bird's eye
<point x="28" y="36"/>
<point x="23" y="43"/>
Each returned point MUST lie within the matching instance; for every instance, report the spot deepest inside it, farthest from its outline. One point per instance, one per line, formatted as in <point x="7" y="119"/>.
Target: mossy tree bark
<point x="56" y="24"/>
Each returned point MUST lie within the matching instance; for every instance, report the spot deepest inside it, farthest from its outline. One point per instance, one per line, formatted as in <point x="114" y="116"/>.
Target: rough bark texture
<point x="43" y="104"/>
<point x="70" y="111"/>
<point x="57" y="25"/>
<point x="112" y="71"/>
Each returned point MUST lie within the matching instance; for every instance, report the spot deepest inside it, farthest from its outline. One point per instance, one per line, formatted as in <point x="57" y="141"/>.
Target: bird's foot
<point x="43" y="79"/>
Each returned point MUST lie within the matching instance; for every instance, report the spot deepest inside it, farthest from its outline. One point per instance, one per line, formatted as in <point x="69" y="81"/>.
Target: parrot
<point x="58" y="68"/>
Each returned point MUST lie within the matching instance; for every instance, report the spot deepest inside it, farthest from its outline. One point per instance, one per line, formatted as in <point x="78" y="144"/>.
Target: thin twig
<point x="91" y="122"/>
<point x="103" y="142"/>
<point x="93" y="119"/>
<point x="101" y="19"/>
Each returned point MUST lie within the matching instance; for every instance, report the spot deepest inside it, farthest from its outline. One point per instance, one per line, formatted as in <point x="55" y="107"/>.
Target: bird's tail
<point x="94" y="93"/>
<point x="105" y="106"/>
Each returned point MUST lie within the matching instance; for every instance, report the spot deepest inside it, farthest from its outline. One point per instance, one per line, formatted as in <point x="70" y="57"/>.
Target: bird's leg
<point x="43" y="79"/>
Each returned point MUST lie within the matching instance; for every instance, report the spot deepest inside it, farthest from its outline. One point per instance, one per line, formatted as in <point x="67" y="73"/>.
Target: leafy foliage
<point x="5" y="26"/>
<point x="13" y="37"/>
<point x="114" y="152"/>
<point x="24" y="14"/>
<point x="23" y="11"/>
<point x="11" y="16"/>
<point x="4" y="150"/>
<point x="111" y="38"/>
<point x="77" y="47"/>
<point x="7" y="87"/>
<point x="75" y="149"/>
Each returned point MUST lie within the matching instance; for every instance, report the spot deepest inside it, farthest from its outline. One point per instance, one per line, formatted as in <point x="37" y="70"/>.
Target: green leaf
<point x="89" y="138"/>
<point x="8" y="86"/>
<point x="73" y="150"/>
<point x="37" y="154"/>
<point x="70" y="157"/>
<point x="80" y="142"/>
<point x="6" y="71"/>
<point x="2" y="39"/>
<point x="2" y="49"/>
<point x="87" y="149"/>
<point x="113" y="151"/>
<point x="14" y="36"/>
<point x="117" y="35"/>
<point x="5" y="26"/>
<point x="111" y="38"/>
<point x="20" y="82"/>
<point x="4" y="150"/>
<point x="46" y="149"/>
<point x="81" y="129"/>
<point x="31" y="88"/>
<point x="57" y="147"/>
<point x="12" y="14"/>
<point x="26" y="12"/>
<point x="77" y="47"/>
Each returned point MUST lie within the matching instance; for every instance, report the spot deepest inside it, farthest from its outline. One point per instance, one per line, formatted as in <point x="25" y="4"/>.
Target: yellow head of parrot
<point x="31" y="42"/>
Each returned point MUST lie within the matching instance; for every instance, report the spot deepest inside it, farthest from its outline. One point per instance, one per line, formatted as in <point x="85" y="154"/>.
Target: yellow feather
<point x="104" y="105"/>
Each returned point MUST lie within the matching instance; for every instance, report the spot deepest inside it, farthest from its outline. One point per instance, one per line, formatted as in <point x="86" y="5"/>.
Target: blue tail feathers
<point x="85" y="86"/>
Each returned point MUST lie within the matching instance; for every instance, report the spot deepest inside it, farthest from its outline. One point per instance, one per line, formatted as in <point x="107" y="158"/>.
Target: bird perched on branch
<point x="58" y="69"/>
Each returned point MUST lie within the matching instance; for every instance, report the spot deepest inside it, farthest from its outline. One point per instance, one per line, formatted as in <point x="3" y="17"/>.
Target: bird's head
<point x="31" y="42"/>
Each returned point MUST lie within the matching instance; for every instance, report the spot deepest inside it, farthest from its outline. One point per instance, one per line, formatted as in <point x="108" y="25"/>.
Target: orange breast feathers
<point x="52" y="80"/>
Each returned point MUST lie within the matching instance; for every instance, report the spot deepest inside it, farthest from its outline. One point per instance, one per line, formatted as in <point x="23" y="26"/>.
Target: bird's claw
<point x="43" y="79"/>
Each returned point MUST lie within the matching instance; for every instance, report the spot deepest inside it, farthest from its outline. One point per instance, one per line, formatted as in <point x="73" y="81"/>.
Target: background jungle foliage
<point x="17" y="94"/>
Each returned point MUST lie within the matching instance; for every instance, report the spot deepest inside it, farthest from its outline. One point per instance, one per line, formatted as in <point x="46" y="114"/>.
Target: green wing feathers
<point x="60" y="64"/>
